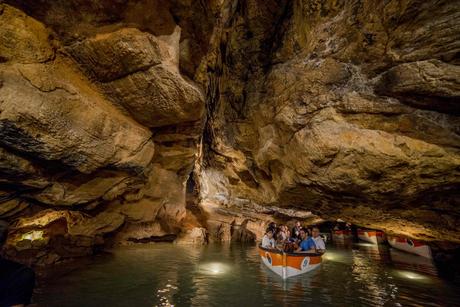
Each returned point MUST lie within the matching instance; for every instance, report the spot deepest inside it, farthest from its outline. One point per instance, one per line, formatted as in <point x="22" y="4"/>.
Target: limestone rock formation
<point x="428" y="84"/>
<point x="140" y="75"/>
<point x="153" y="120"/>
<point x="347" y="109"/>
<point x="105" y="124"/>
<point x="192" y="236"/>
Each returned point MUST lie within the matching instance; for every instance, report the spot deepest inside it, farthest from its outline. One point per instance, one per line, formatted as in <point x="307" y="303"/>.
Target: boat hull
<point x="410" y="246"/>
<point x="289" y="264"/>
<point x="371" y="236"/>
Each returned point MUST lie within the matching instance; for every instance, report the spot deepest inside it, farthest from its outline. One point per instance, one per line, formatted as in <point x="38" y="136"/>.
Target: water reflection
<point x="406" y="261"/>
<point x="297" y="289"/>
<point x="377" y="252"/>
<point x="232" y="275"/>
<point x="375" y="287"/>
<point x="342" y="241"/>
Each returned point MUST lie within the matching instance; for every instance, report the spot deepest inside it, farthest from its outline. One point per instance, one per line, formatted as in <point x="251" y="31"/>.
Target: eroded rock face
<point x="54" y="235"/>
<point x="139" y="73"/>
<point x="423" y="82"/>
<point x="345" y="109"/>
<point x="98" y="133"/>
<point x="141" y="121"/>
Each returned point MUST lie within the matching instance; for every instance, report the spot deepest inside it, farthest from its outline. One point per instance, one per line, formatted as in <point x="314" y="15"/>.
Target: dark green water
<point x="232" y="275"/>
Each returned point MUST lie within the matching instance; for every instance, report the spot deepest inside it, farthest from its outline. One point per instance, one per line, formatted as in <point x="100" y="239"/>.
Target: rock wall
<point x="348" y="109"/>
<point x="99" y="129"/>
<point x="137" y="121"/>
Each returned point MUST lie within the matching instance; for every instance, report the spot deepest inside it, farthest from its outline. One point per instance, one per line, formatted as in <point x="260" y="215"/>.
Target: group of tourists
<point x="300" y="239"/>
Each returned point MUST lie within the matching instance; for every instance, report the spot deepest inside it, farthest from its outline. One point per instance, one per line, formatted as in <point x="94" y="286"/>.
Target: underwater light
<point x="365" y="244"/>
<point x="412" y="275"/>
<point x="213" y="268"/>
<point x="330" y="256"/>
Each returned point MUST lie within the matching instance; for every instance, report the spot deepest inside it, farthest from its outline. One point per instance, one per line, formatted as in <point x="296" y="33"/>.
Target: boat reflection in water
<point x="376" y="252"/>
<point x="342" y="239"/>
<point x="295" y="290"/>
<point x="406" y="261"/>
<point x="382" y="253"/>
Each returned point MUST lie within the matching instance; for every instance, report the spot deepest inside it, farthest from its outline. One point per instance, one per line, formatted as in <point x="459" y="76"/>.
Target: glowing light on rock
<point x="33" y="235"/>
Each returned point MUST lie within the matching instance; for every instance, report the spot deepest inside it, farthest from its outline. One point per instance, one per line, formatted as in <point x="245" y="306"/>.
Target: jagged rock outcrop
<point x="422" y="83"/>
<point x="98" y="128"/>
<point x="53" y="235"/>
<point x="140" y="75"/>
<point x="202" y="121"/>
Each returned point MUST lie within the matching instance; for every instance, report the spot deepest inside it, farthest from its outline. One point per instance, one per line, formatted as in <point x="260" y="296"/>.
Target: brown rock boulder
<point x="110" y="56"/>
<point x="50" y="120"/>
<point x="427" y="84"/>
<point x="139" y="73"/>
<point x="24" y="39"/>
<point x="51" y="236"/>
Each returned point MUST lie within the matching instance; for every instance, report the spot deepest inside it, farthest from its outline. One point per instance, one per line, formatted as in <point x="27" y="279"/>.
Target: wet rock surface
<point x="144" y="121"/>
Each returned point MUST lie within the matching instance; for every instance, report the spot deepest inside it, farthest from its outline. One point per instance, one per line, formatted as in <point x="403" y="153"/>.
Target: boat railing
<point x="280" y="252"/>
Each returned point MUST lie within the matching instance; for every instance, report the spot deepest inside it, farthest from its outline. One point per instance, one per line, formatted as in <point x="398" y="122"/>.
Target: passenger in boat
<point x="16" y="280"/>
<point x="288" y="235"/>
<point x="296" y="231"/>
<point x="267" y="240"/>
<point x="273" y="228"/>
<point x="307" y="244"/>
<point x="311" y="244"/>
<point x="290" y="245"/>
<point x="319" y="242"/>
<point x="281" y="235"/>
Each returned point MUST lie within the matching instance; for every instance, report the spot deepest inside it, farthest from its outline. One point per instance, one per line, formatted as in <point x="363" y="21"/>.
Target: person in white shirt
<point x="319" y="242"/>
<point x="267" y="240"/>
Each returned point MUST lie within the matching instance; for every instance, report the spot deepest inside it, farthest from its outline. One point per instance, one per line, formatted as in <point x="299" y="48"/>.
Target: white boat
<point x="410" y="246"/>
<point x="371" y="236"/>
<point x="289" y="264"/>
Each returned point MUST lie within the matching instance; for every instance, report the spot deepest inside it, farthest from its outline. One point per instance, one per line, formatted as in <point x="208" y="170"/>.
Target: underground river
<point x="358" y="274"/>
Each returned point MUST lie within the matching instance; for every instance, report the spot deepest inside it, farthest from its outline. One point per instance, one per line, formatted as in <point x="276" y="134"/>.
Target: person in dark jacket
<point x="16" y="280"/>
<point x="295" y="233"/>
